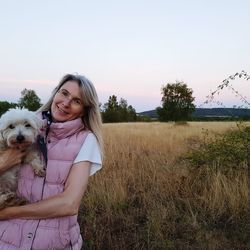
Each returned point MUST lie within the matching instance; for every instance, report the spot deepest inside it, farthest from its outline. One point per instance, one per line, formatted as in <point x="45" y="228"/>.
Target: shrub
<point x="224" y="152"/>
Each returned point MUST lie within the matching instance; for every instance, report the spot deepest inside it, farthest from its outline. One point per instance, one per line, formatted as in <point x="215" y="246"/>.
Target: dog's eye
<point x="27" y="125"/>
<point x="11" y="126"/>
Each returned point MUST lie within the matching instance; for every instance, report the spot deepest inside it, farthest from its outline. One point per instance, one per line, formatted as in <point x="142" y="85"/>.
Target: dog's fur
<point x="18" y="129"/>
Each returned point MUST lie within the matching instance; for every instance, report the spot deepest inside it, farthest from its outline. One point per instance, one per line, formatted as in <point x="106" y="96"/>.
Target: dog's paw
<point x="40" y="172"/>
<point x="15" y="201"/>
<point x="9" y="196"/>
<point x="6" y="199"/>
<point x="20" y="201"/>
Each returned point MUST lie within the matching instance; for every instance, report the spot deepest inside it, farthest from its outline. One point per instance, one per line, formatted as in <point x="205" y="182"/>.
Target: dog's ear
<point x="2" y="128"/>
<point x="36" y="123"/>
<point x="3" y="124"/>
<point x="7" y="118"/>
<point x="39" y="123"/>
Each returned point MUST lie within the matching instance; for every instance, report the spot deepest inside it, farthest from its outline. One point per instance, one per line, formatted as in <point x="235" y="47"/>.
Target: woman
<point x="72" y="135"/>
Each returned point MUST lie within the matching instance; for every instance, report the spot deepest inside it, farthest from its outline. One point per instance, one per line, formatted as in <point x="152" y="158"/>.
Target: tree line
<point x="177" y="102"/>
<point x="177" y="105"/>
<point x="112" y="111"/>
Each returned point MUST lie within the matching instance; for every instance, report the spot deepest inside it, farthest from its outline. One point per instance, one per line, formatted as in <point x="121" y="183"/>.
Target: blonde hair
<point x="92" y="116"/>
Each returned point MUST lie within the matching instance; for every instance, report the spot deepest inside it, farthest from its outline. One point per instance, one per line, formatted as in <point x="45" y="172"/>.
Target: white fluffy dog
<point x="18" y="129"/>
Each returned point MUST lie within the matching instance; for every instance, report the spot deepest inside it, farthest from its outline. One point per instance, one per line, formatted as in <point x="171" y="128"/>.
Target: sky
<point x="128" y="48"/>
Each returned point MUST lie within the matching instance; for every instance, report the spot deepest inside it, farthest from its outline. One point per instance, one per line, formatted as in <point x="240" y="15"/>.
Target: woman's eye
<point x="65" y="93"/>
<point x="78" y="102"/>
<point x="28" y="125"/>
<point x="11" y="126"/>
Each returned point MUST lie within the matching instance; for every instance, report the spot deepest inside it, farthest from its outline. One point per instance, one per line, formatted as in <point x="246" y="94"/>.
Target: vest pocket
<point x="50" y="238"/>
<point x="10" y="233"/>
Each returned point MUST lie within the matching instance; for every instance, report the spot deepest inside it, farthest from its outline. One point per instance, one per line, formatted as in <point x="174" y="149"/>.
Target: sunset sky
<point x="127" y="48"/>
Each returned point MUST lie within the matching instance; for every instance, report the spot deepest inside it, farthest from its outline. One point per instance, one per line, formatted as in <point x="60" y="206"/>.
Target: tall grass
<point x="147" y="197"/>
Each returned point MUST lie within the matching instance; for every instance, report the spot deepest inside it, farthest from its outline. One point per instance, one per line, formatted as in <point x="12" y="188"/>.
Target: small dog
<point x="19" y="128"/>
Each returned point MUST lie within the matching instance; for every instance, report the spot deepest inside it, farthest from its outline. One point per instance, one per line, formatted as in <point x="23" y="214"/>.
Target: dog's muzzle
<point x="20" y="138"/>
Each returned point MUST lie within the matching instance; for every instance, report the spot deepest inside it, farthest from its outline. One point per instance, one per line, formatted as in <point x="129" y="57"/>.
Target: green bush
<point x="225" y="152"/>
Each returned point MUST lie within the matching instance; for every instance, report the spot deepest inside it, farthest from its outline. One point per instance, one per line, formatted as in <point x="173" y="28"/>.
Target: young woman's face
<point x="67" y="103"/>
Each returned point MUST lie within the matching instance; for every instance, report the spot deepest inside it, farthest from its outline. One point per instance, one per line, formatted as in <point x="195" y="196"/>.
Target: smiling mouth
<point x="62" y="111"/>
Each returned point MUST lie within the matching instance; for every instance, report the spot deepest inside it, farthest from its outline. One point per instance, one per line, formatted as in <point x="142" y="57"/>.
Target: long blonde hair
<point x="92" y="116"/>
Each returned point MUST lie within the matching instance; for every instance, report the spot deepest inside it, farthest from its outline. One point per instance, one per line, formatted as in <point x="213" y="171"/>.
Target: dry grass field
<point x="147" y="197"/>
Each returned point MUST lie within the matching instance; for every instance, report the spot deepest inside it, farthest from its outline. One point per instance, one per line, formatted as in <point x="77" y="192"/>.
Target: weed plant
<point x="224" y="152"/>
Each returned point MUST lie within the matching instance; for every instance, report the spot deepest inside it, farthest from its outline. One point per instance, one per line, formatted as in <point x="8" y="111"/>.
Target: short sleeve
<point x="90" y="151"/>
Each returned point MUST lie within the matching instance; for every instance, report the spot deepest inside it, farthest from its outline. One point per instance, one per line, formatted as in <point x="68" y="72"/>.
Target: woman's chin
<point x="59" y="117"/>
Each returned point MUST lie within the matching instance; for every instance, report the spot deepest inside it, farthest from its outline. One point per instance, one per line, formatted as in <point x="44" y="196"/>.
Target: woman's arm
<point x="10" y="157"/>
<point x="66" y="203"/>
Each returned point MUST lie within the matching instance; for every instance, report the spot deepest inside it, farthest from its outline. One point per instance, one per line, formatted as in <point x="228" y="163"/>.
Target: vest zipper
<point x="39" y="219"/>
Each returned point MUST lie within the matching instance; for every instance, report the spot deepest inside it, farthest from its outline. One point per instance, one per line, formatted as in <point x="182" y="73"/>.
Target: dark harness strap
<point x="43" y="148"/>
<point x="41" y="141"/>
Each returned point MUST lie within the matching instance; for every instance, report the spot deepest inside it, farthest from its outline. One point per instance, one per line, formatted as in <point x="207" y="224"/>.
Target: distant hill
<point x="209" y="113"/>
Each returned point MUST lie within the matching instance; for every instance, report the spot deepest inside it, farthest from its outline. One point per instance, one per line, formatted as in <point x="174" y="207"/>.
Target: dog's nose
<point x="20" y="138"/>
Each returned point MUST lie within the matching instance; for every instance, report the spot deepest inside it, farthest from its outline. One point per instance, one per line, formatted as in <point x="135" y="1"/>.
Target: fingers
<point x="14" y="156"/>
<point x="9" y="158"/>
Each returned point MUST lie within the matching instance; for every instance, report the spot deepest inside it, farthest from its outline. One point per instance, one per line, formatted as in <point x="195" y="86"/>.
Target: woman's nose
<point x="66" y="102"/>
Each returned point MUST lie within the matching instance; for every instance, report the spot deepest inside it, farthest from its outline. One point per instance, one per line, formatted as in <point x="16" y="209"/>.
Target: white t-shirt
<point x="90" y="151"/>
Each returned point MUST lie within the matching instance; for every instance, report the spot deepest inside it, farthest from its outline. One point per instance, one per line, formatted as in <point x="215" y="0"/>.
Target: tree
<point x="118" y="112"/>
<point x="132" y="116"/>
<point x="4" y="106"/>
<point x="127" y="112"/>
<point x="111" y="110"/>
<point x="177" y="102"/>
<point x="29" y="100"/>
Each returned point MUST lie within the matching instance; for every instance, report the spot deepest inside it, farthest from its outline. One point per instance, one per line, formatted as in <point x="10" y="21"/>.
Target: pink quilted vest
<point x="64" y="142"/>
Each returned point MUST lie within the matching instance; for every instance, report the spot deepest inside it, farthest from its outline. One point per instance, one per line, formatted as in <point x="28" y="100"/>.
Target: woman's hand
<point x="10" y="157"/>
